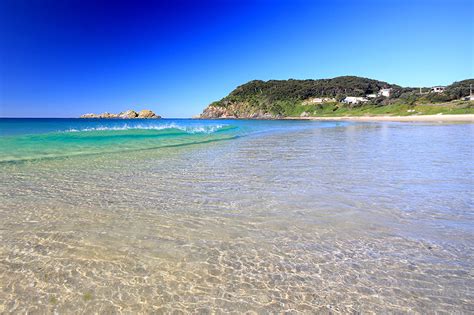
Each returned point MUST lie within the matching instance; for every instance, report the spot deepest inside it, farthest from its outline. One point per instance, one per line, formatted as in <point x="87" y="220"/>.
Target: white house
<point x="322" y="100"/>
<point x="385" y="92"/>
<point x="354" y="100"/>
<point x="438" y="89"/>
<point x="371" y="95"/>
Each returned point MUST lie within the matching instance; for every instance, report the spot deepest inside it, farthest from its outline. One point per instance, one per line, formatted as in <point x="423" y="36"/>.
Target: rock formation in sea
<point x="129" y="114"/>
<point x="146" y="113"/>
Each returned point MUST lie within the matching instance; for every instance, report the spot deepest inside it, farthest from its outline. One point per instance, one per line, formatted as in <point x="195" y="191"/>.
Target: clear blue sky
<point x="63" y="58"/>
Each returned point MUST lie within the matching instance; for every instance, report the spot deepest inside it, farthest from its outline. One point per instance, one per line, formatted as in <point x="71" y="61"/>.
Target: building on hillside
<point x="354" y="100"/>
<point x="385" y="92"/>
<point x="438" y="89"/>
<point x="319" y="100"/>
<point x="371" y="95"/>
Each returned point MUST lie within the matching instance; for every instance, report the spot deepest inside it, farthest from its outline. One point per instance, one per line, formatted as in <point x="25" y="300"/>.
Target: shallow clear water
<point x="268" y="216"/>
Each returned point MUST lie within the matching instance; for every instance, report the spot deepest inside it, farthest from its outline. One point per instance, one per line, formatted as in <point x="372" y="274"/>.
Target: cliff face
<point x="235" y="110"/>
<point x="129" y="114"/>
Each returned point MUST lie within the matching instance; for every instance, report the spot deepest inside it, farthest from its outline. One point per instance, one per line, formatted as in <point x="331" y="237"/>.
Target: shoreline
<point x="413" y="118"/>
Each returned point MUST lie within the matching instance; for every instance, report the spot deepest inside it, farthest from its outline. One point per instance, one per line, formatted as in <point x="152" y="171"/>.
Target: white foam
<point x="188" y="129"/>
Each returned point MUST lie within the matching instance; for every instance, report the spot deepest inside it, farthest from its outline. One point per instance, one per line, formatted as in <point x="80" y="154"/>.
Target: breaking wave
<point x="86" y="140"/>
<point x="206" y="129"/>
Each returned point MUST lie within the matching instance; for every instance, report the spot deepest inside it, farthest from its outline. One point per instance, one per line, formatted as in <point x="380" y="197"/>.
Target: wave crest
<point x="207" y="129"/>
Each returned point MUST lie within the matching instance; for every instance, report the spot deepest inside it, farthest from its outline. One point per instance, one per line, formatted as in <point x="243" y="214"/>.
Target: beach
<point x="412" y="118"/>
<point x="236" y="157"/>
<point x="235" y="216"/>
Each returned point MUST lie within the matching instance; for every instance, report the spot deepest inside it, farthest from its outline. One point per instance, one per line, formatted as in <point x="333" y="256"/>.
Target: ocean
<point x="203" y="216"/>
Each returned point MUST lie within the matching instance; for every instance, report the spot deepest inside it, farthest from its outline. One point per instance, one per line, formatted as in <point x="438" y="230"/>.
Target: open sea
<point x="230" y="216"/>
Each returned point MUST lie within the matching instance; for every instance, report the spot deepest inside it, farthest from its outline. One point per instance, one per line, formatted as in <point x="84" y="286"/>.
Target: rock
<point x="234" y="111"/>
<point x="146" y="113"/>
<point x="108" y="115"/>
<point x="128" y="114"/>
<point x="215" y="112"/>
<point x="304" y="114"/>
<point x="90" y="115"/>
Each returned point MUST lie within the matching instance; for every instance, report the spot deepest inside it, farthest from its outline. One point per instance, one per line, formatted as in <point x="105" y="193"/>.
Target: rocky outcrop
<point x="103" y="115"/>
<point x="146" y="113"/>
<point x="90" y="115"/>
<point x="235" y="111"/>
<point x="216" y="112"/>
<point x="129" y="114"/>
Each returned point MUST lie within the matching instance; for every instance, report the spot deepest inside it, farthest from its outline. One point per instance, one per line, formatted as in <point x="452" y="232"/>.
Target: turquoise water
<point x="191" y="216"/>
<point x="29" y="139"/>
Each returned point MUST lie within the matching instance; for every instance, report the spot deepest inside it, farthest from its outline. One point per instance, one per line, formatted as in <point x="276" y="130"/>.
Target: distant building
<point x="319" y="100"/>
<point x="438" y="89"/>
<point x="354" y="100"/>
<point x="371" y="95"/>
<point x="385" y="92"/>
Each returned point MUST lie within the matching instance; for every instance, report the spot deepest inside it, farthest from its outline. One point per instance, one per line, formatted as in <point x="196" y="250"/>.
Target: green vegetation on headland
<point x="341" y="96"/>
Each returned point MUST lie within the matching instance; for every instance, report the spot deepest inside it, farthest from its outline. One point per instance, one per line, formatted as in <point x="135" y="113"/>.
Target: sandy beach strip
<point x="414" y="118"/>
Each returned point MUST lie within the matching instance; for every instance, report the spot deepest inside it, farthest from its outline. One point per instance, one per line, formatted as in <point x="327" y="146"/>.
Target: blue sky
<point x="67" y="57"/>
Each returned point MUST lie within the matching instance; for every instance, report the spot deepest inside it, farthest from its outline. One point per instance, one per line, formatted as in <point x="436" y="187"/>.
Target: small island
<point x="129" y="114"/>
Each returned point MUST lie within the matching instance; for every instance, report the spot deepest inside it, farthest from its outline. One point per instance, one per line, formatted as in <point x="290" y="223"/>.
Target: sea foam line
<point x="188" y="129"/>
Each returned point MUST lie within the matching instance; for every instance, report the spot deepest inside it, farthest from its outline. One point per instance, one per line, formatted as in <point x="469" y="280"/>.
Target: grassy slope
<point x="334" y="109"/>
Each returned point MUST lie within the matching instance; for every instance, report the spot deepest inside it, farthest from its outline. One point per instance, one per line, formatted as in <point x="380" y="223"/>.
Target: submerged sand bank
<point x="434" y="118"/>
